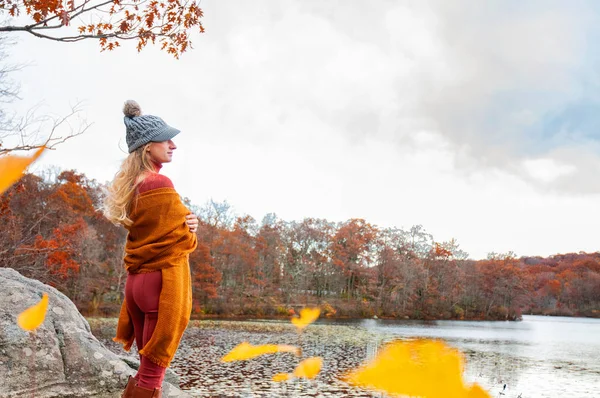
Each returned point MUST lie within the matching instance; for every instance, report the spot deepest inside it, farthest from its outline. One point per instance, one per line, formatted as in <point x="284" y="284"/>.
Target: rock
<point x="61" y="358"/>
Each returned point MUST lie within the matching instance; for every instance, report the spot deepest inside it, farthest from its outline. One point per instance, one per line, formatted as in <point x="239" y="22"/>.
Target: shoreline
<point x="241" y="318"/>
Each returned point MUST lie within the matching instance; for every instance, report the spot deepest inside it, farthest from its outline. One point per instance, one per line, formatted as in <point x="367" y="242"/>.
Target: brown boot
<point x="141" y="392"/>
<point x="128" y="393"/>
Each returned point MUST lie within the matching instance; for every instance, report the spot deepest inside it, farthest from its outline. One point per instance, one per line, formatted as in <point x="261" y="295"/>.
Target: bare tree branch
<point x="29" y="128"/>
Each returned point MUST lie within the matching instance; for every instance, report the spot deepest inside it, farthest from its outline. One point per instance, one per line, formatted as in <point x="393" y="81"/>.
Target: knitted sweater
<point x="159" y="239"/>
<point x="154" y="180"/>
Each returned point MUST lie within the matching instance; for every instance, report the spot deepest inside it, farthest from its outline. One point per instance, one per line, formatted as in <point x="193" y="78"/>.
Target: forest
<point x="52" y="229"/>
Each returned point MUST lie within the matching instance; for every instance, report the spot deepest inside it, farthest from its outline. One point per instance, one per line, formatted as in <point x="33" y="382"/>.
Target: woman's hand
<point x="192" y="221"/>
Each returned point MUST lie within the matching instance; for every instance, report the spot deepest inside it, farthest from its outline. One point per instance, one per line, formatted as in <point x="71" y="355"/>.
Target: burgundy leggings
<point x="141" y="295"/>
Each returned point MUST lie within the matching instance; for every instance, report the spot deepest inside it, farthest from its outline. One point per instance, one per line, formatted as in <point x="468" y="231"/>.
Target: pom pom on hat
<point x="131" y="108"/>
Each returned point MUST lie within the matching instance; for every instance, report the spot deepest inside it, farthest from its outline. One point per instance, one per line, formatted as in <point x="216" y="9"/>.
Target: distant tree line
<point x="51" y="230"/>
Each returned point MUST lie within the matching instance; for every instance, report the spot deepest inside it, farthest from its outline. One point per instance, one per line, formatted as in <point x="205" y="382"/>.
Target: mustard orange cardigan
<point x="159" y="239"/>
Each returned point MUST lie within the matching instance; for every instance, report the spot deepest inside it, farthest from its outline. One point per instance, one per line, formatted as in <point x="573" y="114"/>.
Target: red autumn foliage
<point x="205" y="278"/>
<point x="51" y="230"/>
<point x="111" y="22"/>
<point x="60" y="250"/>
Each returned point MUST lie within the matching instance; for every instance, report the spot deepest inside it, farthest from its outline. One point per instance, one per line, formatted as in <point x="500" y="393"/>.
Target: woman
<point x="161" y="235"/>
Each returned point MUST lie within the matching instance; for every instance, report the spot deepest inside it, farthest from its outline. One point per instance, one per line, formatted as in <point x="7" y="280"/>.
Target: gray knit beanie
<point x="142" y="129"/>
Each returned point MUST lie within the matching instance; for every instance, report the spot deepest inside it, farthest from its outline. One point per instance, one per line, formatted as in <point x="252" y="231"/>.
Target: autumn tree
<point x="167" y="23"/>
<point x="51" y="230"/>
<point x="22" y="218"/>
<point x="269" y="248"/>
<point x="503" y="282"/>
<point x="401" y="275"/>
<point x="390" y="282"/>
<point x="445" y="264"/>
<point x="352" y="251"/>
<point x="236" y="259"/>
<point x="205" y="278"/>
<point x="110" y="22"/>
<point x="307" y="267"/>
<point x="59" y="251"/>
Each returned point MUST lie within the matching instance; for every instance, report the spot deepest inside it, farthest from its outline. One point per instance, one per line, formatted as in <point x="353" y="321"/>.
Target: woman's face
<point x="161" y="152"/>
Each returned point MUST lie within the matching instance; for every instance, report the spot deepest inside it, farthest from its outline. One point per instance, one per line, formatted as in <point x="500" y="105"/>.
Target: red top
<point x="155" y="181"/>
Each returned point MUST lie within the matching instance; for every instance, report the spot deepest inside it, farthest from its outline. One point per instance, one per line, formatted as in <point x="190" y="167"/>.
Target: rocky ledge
<point x="62" y="358"/>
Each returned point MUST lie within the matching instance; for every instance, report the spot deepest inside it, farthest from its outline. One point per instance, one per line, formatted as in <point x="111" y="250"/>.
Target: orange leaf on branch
<point x="64" y="17"/>
<point x="50" y="19"/>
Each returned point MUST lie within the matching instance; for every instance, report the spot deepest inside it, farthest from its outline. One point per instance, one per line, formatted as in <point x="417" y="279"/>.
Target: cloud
<point x="475" y="119"/>
<point x="510" y="69"/>
<point x="546" y="170"/>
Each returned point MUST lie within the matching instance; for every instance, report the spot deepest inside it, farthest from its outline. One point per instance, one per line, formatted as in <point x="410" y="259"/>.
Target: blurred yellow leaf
<point x="421" y="368"/>
<point x="33" y="317"/>
<point x="476" y="391"/>
<point x="281" y="377"/>
<point x="246" y="350"/>
<point x="309" y="368"/>
<point x="307" y="316"/>
<point x="12" y="167"/>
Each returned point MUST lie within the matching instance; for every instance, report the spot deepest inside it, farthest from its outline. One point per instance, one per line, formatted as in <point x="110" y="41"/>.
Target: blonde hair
<point x="121" y="191"/>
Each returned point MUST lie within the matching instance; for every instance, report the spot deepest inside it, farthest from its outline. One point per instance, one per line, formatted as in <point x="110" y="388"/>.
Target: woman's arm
<point x="156" y="181"/>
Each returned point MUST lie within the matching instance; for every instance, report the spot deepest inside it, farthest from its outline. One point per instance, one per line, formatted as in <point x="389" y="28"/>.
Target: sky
<point x="477" y="120"/>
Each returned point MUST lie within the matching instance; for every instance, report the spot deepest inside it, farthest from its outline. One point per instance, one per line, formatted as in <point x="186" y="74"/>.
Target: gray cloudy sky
<point x="478" y="120"/>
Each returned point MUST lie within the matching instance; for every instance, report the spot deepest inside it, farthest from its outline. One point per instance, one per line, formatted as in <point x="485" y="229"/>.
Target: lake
<point x="537" y="357"/>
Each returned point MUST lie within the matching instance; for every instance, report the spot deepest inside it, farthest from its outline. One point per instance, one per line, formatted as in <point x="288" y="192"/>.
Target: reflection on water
<point x="538" y="357"/>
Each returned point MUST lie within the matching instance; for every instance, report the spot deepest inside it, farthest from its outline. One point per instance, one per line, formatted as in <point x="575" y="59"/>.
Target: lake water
<point x="547" y="357"/>
<point x="537" y="357"/>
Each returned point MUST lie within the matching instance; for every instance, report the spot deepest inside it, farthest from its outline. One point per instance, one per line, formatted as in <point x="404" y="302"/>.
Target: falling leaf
<point x="309" y="368"/>
<point x="476" y="391"/>
<point x="12" y="167"/>
<point x="246" y="350"/>
<point x="307" y="316"/>
<point x="33" y="317"/>
<point x="422" y="368"/>
<point x="279" y="377"/>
